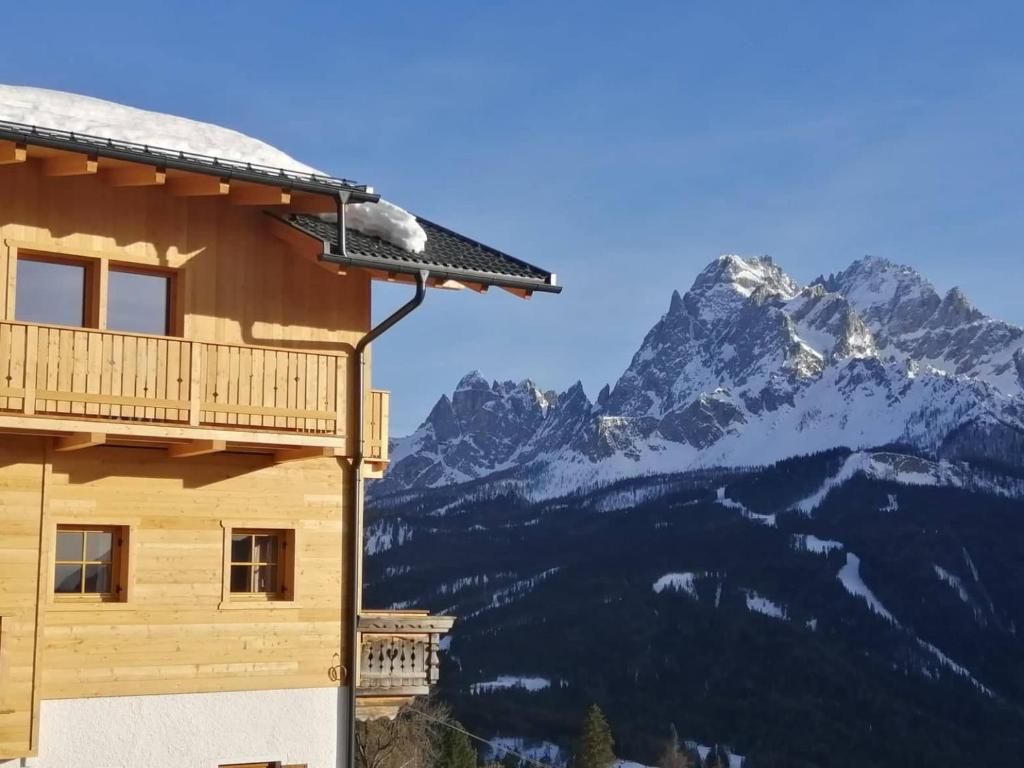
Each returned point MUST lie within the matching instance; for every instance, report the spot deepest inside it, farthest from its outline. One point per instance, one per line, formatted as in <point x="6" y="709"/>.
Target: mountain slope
<point x="747" y="368"/>
<point x="841" y="609"/>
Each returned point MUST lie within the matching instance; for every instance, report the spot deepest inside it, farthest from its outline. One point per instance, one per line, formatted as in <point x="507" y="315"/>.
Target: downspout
<point x="356" y="495"/>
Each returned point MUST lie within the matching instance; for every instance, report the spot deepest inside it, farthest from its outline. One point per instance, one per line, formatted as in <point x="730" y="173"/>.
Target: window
<point x="260" y="563"/>
<point x="139" y="302"/>
<point x="89" y="561"/>
<point x="58" y="290"/>
<point x="52" y="291"/>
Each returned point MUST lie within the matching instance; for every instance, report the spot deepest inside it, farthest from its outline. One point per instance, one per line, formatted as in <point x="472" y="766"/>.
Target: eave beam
<point x="80" y="441"/>
<point x="136" y="176"/>
<point x="195" y="448"/>
<point x="71" y="165"/>
<point x="11" y="152"/>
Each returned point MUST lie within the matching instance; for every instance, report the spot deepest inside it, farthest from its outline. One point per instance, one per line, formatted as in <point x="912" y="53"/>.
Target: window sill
<point x="89" y="604"/>
<point x="257" y="604"/>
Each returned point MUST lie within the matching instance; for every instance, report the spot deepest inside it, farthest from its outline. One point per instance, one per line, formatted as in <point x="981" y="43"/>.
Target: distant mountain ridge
<point x="749" y="367"/>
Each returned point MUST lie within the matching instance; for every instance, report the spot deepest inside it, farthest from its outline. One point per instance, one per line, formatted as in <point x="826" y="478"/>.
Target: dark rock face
<point x="869" y="355"/>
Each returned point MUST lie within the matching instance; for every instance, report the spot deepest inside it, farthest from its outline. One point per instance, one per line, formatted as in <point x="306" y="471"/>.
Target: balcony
<point x="88" y="387"/>
<point x="398" y="659"/>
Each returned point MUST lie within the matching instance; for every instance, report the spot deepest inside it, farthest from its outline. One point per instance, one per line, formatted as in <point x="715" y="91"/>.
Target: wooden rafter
<point x="300" y="454"/>
<point x="195" y="448"/>
<point x="136" y="176"/>
<point x="71" y="165"/>
<point x="11" y="152"/>
<point x="80" y="441"/>
<point x="522" y="293"/>
<point x="260" y="195"/>
<point x="306" y="203"/>
<point x="199" y="186"/>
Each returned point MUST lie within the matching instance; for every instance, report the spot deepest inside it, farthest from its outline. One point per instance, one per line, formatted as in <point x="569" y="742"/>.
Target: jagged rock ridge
<point x="746" y="368"/>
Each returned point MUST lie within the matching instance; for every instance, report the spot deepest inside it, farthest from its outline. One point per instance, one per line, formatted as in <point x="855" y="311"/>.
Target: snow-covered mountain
<point x="748" y="367"/>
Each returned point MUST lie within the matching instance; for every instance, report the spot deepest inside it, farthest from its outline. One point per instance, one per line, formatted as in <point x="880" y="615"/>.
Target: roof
<point x="447" y="254"/>
<point x="184" y="161"/>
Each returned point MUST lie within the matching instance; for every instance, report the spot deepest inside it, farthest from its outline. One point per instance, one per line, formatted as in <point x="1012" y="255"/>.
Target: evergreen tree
<point x="717" y="758"/>
<point x="510" y="760"/>
<point x="455" y="749"/>
<point x="596" y="747"/>
<point x="674" y="756"/>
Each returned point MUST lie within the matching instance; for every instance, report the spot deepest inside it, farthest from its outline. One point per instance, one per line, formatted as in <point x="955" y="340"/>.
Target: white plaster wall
<point x="191" y="730"/>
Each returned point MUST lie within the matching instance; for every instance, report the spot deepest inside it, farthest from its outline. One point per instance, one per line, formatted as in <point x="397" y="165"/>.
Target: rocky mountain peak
<point x="748" y="367"/>
<point x="472" y="380"/>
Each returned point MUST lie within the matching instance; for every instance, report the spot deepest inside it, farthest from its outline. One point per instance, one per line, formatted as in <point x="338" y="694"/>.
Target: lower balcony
<point x="398" y="659"/>
<point x="88" y="387"/>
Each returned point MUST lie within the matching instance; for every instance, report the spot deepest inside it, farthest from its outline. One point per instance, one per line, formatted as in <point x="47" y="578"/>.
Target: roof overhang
<point x="159" y="157"/>
<point x="444" y="271"/>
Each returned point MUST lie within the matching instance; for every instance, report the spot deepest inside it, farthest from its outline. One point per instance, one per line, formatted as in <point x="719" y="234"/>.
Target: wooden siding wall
<point x="241" y="284"/>
<point x="175" y="632"/>
<point x="238" y="285"/>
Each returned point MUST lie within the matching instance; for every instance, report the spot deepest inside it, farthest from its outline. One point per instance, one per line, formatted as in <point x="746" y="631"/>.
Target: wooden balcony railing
<point x="399" y="652"/>
<point x="86" y="374"/>
<point x="375" y="449"/>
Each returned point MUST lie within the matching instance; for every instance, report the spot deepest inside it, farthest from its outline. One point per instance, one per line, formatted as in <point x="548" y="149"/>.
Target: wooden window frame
<point x="119" y="570"/>
<point x="91" y="298"/>
<point x="97" y="279"/>
<point x="285" y="595"/>
<point x="173" y="321"/>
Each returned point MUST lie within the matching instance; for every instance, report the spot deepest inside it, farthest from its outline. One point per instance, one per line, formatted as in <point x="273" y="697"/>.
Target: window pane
<point x="69" y="545"/>
<point x="266" y="549"/>
<point x="241" y="578"/>
<point x="241" y="548"/>
<point x="266" y="578"/>
<point x="50" y="293"/>
<point x="97" y="579"/>
<point x="98" y="545"/>
<point x="138" y="303"/>
<point x="68" y="578"/>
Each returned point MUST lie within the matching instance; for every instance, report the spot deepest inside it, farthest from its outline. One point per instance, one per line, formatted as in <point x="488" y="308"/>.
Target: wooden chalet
<point x="186" y="418"/>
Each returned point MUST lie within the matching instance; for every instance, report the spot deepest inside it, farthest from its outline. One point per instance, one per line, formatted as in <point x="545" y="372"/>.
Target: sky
<point x="621" y="145"/>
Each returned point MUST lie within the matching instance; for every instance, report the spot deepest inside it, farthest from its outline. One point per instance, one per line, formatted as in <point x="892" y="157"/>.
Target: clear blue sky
<point x="623" y="145"/>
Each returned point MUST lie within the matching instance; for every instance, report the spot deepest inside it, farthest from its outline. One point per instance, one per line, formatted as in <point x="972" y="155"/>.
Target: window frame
<point x="285" y="595"/>
<point x="172" y="318"/>
<point x="119" y="564"/>
<point x="91" y="299"/>
<point x="96" y="289"/>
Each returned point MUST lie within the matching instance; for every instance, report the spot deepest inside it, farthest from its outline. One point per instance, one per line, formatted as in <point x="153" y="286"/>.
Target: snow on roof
<point x="87" y="115"/>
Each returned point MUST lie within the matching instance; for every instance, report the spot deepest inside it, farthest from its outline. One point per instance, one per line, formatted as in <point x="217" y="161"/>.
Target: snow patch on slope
<point x="725" y="501"/>
<point x="504" y="682"/>
<point x="677" y="582"/>
<point x="533" y="749"/>
<point x="953" y="581"/>
<point x="760" y="604"/>
<point x="811" y="543"/>
<point x="957" y="668"/>
<point x="386" y="534"/>
<point x="849" y="576"/>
